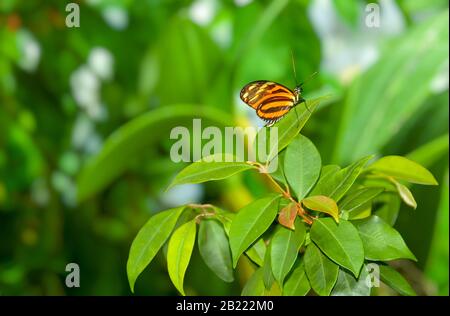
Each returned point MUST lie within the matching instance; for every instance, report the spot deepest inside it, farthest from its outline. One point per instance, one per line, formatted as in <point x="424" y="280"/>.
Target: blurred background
<point x="85" y="116"/>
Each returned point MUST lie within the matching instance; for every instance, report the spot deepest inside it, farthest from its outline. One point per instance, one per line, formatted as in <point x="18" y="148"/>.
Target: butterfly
<point x="271" y="100"/>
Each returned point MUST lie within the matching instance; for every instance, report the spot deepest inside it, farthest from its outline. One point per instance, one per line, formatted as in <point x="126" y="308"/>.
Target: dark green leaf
<point x="381" y="241"/>
<point x="285" y="245"/>
<point x="215" y="250"/>
<point x="297" y="283"/>
<point x="340" y="242"/>
<point x="322" y="272"/>
<point x="250" y="223"/>
<point x="348" y="285"/>
<point x="396" y="281"/>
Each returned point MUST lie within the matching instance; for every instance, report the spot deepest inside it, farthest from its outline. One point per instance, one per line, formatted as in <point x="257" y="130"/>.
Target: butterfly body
<point x="271" y="100"/>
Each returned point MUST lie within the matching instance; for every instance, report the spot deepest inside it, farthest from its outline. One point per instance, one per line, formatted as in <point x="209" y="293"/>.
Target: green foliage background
<point x="76" y="187"/>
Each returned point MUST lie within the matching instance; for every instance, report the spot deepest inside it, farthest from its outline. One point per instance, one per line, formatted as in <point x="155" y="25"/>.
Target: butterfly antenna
<point x="309" y="78"/>
<point x="293" y="67"/>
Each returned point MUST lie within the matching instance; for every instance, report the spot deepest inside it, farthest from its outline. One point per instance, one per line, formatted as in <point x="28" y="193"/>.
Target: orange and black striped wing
<point x="271" y="100"/>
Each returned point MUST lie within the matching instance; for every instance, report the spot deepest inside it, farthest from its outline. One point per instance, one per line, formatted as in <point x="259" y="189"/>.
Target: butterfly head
<point x="298" y="91"/>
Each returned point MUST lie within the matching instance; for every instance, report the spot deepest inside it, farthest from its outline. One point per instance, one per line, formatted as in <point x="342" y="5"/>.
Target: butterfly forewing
<point x="271" y="100"/>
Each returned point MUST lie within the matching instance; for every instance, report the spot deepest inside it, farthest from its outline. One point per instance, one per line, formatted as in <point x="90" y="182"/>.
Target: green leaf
<point x="340" y="242"/>
<point x="201" y="171"/>
<point x="297" y="283"/>
<point x="135" y="137"/>
<point x="390" y="207"/>
<point x="149" y="240"/>
<point x="403" y="169"/>
<point x="214" y="249"/>
<point x="268" y="277"/>
<point x="285" y="245"/>
<point x="250" y="223"/>
<point x="257" y="252"/>
<point x="428" y="154"/>
<point x="254" y="285"/>
<point x="336" y="184"/>
<point x="326" y="174"/>
<point x="360" y="131"/>
<point x="287" y="128"/>
<point x="358" y="198"/>
<point x="396" y="281"/>
<point x="381" y="241"/>
<point x="405" y="194"/>
<point x="322" y="203"/>
<point x="179" y="253"/>
<point x="322" y="272"/>
<point x="348" y="285"/>
<point x="302" y="165"/>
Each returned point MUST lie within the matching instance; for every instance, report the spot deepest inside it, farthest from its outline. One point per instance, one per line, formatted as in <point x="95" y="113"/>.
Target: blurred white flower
<point x="182" y="194"/>
<point x="30" y="51"/>
<point x="241" y="3"/>
<point x="202" y="11"/>
<point x="440" y="82"/>
<point x="116" y="17"/>
<point x="84" y="136"/>
<point x="101" y="62"/>
<point x="347" y="51"/>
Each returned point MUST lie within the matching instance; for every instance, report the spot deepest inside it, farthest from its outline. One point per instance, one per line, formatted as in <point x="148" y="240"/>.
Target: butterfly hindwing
<point x="271" y="100"/>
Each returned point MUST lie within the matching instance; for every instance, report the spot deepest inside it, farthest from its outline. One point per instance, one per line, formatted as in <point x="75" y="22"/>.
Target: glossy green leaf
<point x="390" y="207"/>
<point x="322" y="272"/>
<point x="250" y="223"/>
<point x="149" y="240"/>
<point x="358" y="198"/>
<point x="201" y="171"/>
<point x="215" y="249"/>
<point x="396" y="281"/>
<point x="326" y="174"/>
<point x="340" y="242"/>
<point x="135" y="137"/>
<point x="338" y="183"/>
<point x="322" y="203"/>
<point x="381" y="241"/>
<point x="268" y="277"/>
<point x="348" y="285"/>
<point x="255" y="286"/>
<point x="402" y="168"/>
<point x="287" y="129"/>
<point x="297" y="283"/>
<point x="302" y="165"/>
<point x="285" y="245"/>
<point x="179" y="253"/>
<point x="257" y="252"/>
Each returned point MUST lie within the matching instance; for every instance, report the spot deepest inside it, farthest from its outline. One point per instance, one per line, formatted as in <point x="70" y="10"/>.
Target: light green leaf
<point x="405" y="194"/>
<point x="287" y="128"/>
<point x="322" y="272"/>
<point x="336" y="184"/>
<point x="250" y="223"/>
<point x="358" y="198"/>
<point x="201" y="171"/>
<point x="297" y="283"/>
<point x="326" y="174"/>
<point x="214" y="249"/>
<point x="179" y="253"/>
<point x="390" y="207"/>
<point x="348" y="285"/>
<point x="340" y="242"/>
<point x="257" y="252"/>
<point x="255" y="286"/>
<point x="149" y="240"/>
<point x="135" y="137"/>
<point x="302" y="165"/>
<point x="402" y="168"/>
<point x="381" y="241"/>
<point x="285" y="245"/>
<point x="322" y="203"/>
<point x="396" y="281"/>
